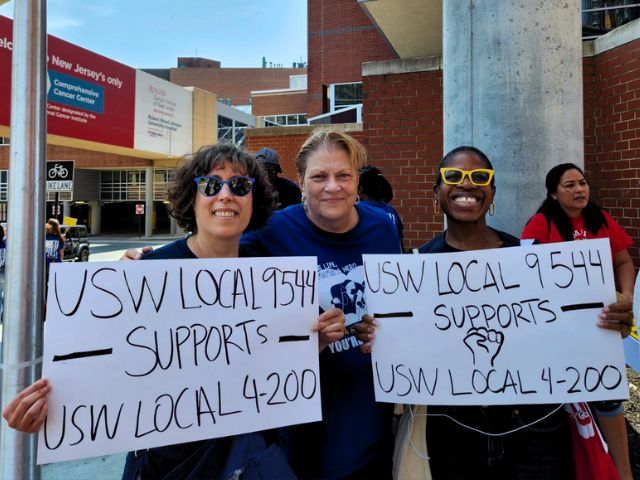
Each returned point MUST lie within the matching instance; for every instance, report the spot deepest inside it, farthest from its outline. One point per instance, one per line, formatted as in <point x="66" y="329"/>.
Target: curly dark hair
<point x="594" y="219"/>
<point x="182" y="193"/>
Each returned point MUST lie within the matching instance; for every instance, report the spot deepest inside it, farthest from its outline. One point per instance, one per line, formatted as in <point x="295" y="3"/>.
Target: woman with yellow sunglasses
<point x="464" y="192"/>
<point x="502" y="441"/>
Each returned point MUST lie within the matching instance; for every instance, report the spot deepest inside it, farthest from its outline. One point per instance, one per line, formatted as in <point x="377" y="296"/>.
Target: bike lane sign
<point x="60" y="176"/>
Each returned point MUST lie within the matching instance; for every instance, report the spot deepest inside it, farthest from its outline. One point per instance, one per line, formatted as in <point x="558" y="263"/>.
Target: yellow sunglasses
<point x="480" y="177"/>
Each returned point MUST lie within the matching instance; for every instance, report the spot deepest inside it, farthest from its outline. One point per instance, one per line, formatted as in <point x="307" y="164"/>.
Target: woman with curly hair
<point x="217" y="194"/>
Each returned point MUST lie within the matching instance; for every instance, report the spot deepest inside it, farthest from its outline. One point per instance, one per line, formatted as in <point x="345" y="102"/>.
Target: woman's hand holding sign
<point x="28" y="410"/>
<point x="330" y="327"/>
<point x="366" y="332"/>
<point x="617" y="316"/>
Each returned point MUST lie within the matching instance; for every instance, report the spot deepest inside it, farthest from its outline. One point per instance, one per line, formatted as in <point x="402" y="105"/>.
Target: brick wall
<point x="403" y="134"/>
<point x="234" y="83"/>
<point x="286" y="141"/>
<point x="279" y="103"/>
<point x="340" y="38"/>
<point x="402" y="131"/>
<point x="612" y="134"/>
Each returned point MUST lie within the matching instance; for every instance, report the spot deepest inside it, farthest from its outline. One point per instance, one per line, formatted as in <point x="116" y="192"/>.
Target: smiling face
<point x="572" y="192"/>
<point x="330" y="186"/>
<point x="224" y="216"/>
<point x="466" y="202"/>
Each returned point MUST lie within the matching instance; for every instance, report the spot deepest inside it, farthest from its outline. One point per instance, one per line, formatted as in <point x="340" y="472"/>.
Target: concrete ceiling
<point x="412" y="27"/>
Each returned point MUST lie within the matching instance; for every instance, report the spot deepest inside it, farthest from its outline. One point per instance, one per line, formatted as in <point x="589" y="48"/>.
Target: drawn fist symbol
<point x="484" y="343"/>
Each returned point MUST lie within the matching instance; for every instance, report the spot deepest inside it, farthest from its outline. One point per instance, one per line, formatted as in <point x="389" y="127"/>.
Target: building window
<point x="63" y="197"/>
<point x="230" y="130"/>
<point x="122" y="185"/>
<point x="343" y="95"/>
<point x="4" y="181"/>
<point x="49" y="196"/>
<point x="602" y="16"/>
<point x="4" y="140"/>
<point x="284" y="120"/>
<point x="161" y="181"/>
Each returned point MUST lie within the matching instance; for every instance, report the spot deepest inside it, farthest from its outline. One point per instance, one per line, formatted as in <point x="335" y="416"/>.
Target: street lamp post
<point x="22" y="327"/>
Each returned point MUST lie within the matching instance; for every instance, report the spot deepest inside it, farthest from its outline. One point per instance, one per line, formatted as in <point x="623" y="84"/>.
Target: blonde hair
<point x="330" y="140"/>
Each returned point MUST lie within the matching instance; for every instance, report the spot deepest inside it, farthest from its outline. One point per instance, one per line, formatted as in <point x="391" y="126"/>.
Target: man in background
<point x="288" y="191"/>
<point x="375" y="189"/>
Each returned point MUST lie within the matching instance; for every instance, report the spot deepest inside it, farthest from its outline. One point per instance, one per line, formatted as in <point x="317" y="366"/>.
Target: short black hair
<point x="373" y="183"/>
<point x="182" y="192"/>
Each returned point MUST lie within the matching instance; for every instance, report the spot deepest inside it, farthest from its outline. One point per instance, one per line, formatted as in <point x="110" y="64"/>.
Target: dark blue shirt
<point x="355" y="429"/>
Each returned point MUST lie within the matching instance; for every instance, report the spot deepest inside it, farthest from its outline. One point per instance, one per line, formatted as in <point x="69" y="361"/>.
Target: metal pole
<point x="56" y="207"/>
<point x="148" y="201"/>
<point x="22" y="329"/>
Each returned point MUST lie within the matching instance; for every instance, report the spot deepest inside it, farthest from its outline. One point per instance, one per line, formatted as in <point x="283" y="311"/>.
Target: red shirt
<point x="538" y="228"/>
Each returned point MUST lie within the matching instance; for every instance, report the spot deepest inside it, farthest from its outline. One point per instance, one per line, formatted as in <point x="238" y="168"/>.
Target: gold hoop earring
<point x="357" y="198"/>
<point x="436" y="206"/>
<point x="492" y="209"/>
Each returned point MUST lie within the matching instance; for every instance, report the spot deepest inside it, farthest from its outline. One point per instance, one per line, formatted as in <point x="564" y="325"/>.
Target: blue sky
<point x="146" y="34"/>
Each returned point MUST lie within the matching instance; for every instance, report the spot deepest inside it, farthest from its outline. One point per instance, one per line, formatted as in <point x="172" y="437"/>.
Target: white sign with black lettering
<point x="152" y="353"/>
<point x="502" y="326"/>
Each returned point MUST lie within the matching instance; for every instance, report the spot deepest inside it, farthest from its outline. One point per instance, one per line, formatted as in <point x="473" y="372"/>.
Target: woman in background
<point x="568" y="214"/>
<point x="54" y="242"/>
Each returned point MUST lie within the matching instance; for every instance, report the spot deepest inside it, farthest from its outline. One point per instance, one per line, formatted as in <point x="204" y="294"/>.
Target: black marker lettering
<point x="80" y="295"/>
<point x="93" y="282"/>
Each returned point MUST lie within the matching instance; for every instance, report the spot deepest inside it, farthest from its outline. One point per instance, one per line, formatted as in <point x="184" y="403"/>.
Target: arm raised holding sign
<point x="217" y="194"/>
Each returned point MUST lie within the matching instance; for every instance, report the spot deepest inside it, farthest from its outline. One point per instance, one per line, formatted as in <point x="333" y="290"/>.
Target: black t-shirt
<point x="439" y="245"/>
<point x="461" y="452"/>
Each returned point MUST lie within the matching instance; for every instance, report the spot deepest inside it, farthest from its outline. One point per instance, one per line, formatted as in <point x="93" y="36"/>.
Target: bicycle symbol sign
<point x="60" y="176"/>
<point x="58" y="172"/>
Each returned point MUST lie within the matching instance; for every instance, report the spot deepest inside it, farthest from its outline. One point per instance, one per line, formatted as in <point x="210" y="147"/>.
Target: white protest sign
<point x="502" y="326"/>
<point x="151" y="353"/>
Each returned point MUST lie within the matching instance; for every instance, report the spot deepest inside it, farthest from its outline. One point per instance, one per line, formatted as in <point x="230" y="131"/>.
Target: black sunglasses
<point x="211" y="186"/>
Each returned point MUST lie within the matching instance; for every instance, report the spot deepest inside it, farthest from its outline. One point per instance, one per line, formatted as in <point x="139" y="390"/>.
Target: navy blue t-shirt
<point x="355" y="429"/>
<point x="393" y="215"/>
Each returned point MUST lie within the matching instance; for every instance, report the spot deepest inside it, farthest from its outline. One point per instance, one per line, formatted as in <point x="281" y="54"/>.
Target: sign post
<point x="22" y="327"/>
<point x="59" y="179"/>
<point x="139" y="213"/>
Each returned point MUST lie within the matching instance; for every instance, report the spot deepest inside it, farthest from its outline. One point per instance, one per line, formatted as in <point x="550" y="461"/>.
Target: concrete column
<point x="513" y="88"/>
<point x="148" y="208"/>
<point x="66" y="209"/>
<point x="173" y="229"/>
<point x="96" y="217"/>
